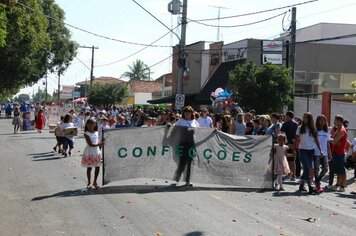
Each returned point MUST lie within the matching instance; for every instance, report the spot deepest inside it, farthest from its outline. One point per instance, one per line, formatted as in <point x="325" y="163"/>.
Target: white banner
<point x="162" y="152"/>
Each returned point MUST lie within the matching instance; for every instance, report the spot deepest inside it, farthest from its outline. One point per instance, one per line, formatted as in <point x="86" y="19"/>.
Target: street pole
<point x="292" y="44"/>
<point x="46" y="89"/>
<point x="92" y="62"/>
<point x="92" y="66"/>
<point x="182" y="59"/>
<point x="59" y="87"/>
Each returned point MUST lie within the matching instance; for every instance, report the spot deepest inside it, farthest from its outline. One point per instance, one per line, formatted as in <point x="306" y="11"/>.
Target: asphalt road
<point x="44" y="194"/>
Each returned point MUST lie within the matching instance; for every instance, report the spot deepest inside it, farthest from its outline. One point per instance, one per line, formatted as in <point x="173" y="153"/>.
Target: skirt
<point x="91" y="157"/>
<point x="281" y="166"/>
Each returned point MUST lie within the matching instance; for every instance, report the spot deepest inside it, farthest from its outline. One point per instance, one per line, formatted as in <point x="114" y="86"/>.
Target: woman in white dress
<point x="92" y="154"/>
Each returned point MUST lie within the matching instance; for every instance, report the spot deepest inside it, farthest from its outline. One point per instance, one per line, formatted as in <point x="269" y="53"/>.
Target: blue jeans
<point x="307" y="159"/>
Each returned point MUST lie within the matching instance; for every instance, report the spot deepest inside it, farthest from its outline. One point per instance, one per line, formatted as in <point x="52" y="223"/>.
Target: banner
<point x="162" y="152"/>
<point x="54" y="114"/>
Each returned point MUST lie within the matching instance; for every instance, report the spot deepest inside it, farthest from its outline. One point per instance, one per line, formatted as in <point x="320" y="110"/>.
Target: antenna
<point x="219" y="9"/>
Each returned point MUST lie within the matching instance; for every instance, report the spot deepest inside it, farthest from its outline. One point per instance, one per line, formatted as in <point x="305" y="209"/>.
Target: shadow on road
<point x="195" y="233"/>
<point x="48" y="159"/>
<point x="343" y="195"/>
<point x="139" y="189"/>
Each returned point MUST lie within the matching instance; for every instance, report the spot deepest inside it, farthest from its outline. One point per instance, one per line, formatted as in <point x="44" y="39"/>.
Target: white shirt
<point x="205" y="122"/>
<point x="307" y="142"/>
<point x="67" y="125"/>
<point x="354" y="145"/>
<point x="114" y="112"/>
<point x="324" y="138"/>
<point x="187" y="123"/>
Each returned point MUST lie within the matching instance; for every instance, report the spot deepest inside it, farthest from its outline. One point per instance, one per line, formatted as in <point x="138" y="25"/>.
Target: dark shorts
<point x="292" y="158"/>
<point x="337" y="164"/>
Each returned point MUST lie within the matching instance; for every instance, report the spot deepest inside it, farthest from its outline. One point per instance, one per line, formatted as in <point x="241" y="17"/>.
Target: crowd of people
<point x="303" y="148"/>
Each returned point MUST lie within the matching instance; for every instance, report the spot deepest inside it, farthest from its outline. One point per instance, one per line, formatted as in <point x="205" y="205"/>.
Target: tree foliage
<point x="106" y="94"/>
<point x="33" y="43"/>
<point x="40" y="96"/>
<point x="266" y="88"/>
<point x="63" y="49"/>
<point x="21" y="98"/>
<point x="137" y="71"/>
<point x="3" y="23"/>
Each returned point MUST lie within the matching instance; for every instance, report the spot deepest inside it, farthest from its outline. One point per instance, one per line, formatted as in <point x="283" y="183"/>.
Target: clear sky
<point x="124" y="20"/>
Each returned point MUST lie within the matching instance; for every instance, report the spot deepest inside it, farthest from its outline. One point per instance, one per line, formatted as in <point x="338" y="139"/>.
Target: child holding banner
<point x="281" y="167"/>
<point x="92" y="153"/>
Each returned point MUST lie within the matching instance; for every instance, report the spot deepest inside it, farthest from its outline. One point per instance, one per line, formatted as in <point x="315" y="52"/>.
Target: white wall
<point x="347" y="110"/>
<point x="142" y="98"/>
<point x="204" y="68"/>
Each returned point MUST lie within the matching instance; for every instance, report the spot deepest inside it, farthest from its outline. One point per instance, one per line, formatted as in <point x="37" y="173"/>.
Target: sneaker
<point x="188" y="184"/>
<point x="319" y="188"/>
<point x="334" y="188"/>
<point x="282" y="189"/>
<point x="341" y="189"/>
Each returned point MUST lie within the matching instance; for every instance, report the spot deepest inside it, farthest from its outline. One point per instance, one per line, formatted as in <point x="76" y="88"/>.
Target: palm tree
<point x="137" y="71"/>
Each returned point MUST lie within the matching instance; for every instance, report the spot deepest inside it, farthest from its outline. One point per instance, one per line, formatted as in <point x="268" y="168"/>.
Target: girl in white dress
<point x="281" y="167"/>
<point x="92" y="153"/>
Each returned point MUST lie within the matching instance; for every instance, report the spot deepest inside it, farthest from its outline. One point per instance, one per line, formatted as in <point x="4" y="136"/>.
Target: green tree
<point x="63" y="49"/>
<point x="266" y="88"/>
<point x="22" y="98"/>
<point x="33" y="45"/>
<point x="40" y="96"/>
<point x="3" y="23"/>
<point x="137" y="71"/>
<point x="23" y="59"/>
<point x="106" y="94"/>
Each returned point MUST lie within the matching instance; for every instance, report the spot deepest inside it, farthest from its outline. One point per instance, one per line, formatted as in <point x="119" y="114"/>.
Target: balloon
<point x="218" y="91"/>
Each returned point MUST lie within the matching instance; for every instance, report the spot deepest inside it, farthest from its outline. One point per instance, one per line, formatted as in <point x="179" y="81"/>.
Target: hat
<point x="204" y="110"/>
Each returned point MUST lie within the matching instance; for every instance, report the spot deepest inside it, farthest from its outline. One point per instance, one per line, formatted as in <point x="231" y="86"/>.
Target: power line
<point x="155" y="18"/>
<point x="137" y="52"/>
<point x="159" y="62"/>
<point x="82" y="62"/>
<point x="90" y="32"/>
<point x="241" y="25"/>
<point x="258" y="12"/>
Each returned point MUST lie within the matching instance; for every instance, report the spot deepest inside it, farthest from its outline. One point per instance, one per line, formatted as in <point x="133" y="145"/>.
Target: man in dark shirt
<point x="289" y="127"/>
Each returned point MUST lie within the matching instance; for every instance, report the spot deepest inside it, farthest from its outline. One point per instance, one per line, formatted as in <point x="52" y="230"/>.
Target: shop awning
<point x="218" y="80"/>
<point x="189" y="98"/>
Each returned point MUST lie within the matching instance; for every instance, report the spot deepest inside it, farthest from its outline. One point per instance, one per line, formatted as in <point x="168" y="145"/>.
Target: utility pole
<point x="59" y="87"/>
<point x="46" y="88"/>
<point x="292" y="44"/>
<point x="92" y="62"/>
<point x="182" y="55"/>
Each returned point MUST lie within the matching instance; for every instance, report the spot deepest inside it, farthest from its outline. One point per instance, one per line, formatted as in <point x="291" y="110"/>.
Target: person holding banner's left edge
<point x="187" y="142"/>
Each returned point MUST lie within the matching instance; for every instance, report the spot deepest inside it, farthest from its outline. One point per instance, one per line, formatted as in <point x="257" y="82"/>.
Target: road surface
<point x="44" y="194"/>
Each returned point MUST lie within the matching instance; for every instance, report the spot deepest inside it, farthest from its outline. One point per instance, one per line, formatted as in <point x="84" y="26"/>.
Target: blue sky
<point x="124" y="20"/>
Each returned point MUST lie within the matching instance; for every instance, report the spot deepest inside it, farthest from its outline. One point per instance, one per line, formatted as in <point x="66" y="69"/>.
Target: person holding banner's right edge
<point x="306" y="142"/>
<point x="187" y="142"/>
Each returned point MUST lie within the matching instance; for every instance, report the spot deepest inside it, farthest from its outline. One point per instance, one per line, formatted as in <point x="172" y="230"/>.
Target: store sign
<point x="276" y="59"/>
<point x="272" y="46"/>
<point x="234" y="51"/>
